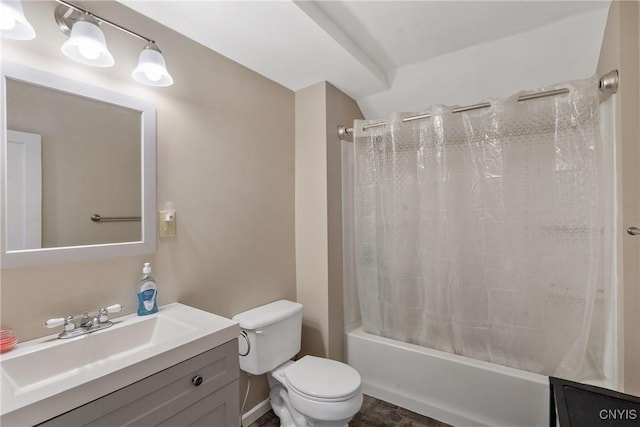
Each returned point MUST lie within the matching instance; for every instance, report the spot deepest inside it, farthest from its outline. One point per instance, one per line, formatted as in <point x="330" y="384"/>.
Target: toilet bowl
<point x="324" y="392"/>
<point x="310" y="392"/>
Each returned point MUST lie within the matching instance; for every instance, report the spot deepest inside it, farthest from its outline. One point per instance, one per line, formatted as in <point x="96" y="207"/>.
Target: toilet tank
<point x="270" y="335"/>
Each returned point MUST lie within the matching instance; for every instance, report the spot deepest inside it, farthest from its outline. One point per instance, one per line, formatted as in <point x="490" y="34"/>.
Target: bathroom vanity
<point x="202" y="390"/>
<point x="176" y="367"/>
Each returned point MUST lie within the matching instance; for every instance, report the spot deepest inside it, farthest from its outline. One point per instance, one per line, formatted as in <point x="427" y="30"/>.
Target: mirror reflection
<point x="68" y="158"/>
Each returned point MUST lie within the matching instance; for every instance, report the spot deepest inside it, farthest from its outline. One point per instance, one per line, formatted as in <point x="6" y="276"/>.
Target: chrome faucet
<point x="88" y="323"/>
<point x="103" y="315"/>
<point x="69" y="324"/>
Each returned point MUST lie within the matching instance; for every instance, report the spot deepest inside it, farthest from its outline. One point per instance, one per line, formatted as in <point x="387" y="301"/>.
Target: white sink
<point x="52" y="361"/>
<point x="48" y="376"/>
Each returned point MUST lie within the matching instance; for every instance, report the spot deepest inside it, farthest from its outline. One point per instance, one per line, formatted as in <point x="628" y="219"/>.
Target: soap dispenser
<point x="147" y="292"/>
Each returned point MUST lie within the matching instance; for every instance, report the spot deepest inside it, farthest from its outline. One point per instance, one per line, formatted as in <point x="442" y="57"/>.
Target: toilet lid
<point x="322" y="378"/>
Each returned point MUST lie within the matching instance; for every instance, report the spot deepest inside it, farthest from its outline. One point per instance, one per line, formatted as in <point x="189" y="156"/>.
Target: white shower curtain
<point x="483" y="233"/>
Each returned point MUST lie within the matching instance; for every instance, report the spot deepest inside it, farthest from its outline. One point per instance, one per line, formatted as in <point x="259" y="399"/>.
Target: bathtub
<point x="450" y="388"/>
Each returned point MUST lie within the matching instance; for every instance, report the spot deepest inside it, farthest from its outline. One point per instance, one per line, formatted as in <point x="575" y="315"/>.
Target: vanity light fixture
<point x="13" y="23"/>
<point x="87" y="44"/>
<point x="151" y="69"/>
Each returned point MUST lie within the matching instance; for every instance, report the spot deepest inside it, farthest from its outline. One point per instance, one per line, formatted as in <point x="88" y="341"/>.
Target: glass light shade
<point x="13" y="23"/>
<point x="152" y="69"/>
<point x="87" y="45"/>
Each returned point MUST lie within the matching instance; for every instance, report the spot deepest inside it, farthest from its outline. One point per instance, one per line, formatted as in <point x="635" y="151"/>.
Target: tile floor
<point x="374" y="413"/>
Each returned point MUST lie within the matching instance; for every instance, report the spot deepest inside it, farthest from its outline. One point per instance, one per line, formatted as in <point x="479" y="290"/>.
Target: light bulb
<point x="87" y="45"/>
<point x="13" y="23"/>
<point x="89" y="51"/>
<point x="153" y="74"/>
<point x="151" y="69"/>
<point x="7" y="21"/>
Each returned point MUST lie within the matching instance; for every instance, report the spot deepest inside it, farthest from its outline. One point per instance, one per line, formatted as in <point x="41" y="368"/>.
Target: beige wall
<point x="319" y="110"/>
<point x="621" y="50"/>
<point x="341" y="110"/>
<point x="312" y="270"/>
<point x="225" y="157"/>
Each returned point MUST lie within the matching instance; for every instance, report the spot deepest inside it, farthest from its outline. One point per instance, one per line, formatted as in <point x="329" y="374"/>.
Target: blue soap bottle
<point x="147" y="292"/>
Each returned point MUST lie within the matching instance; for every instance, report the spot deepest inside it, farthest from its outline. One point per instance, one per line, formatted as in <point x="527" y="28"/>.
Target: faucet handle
<point x="114" y="308"/>
<point x="68" y="323"/>
<point x="52" y="323"/>
<point x="104" y="312"/>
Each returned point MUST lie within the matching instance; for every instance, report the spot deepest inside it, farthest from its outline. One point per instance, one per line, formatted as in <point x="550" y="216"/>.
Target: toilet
<point x="309" y="392"/>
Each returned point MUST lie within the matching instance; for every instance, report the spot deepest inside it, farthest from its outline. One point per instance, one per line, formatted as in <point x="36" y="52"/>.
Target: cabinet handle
<point x="197" y="380"/>
<point x="634" y="231"/>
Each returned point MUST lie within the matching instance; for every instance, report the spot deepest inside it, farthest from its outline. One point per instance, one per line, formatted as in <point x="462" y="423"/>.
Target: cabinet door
<point x="219" y="409"/>
<point x="157" y="399"/>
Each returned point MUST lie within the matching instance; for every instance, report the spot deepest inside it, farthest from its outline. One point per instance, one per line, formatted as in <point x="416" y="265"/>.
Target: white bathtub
<point x="450" y="388"/>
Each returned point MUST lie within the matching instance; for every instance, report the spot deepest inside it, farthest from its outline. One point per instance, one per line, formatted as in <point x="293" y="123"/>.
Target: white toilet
<point x="309" y="392"/>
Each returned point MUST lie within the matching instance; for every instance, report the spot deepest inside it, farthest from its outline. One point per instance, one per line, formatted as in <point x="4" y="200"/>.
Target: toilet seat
<point x="322" y="380"/>
<point x="323" y="389"/>
<point x="326" y="409"/>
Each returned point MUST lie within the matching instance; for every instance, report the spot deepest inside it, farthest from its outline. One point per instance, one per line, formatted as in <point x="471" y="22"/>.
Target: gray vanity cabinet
<point x="201" y="391"/>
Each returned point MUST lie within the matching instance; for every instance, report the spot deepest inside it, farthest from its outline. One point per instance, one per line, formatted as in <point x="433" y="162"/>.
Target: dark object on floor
<point x="583" y="405"/>
<point x="374" y="413"/>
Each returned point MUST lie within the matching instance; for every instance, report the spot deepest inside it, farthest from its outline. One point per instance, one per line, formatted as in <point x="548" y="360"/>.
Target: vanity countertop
<point x="47" y="376"/>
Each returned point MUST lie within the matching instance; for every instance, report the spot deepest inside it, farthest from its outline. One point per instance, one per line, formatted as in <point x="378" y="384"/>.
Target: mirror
<point x="78" y="176"/>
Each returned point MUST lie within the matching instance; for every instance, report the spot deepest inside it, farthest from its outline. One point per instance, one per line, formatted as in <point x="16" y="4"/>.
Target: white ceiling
<point x="358" y="46"/>
<point x="399" y="33"/>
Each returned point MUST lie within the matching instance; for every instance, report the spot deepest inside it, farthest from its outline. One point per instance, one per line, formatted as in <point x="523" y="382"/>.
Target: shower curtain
<point x="484" y="233"/>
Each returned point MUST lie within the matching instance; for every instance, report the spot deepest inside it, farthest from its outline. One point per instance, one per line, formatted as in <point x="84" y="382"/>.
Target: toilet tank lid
<point x="268" y="314"/>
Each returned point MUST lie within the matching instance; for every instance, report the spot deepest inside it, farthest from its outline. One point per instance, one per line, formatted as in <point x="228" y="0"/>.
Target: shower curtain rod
<point x="608" y="84"/>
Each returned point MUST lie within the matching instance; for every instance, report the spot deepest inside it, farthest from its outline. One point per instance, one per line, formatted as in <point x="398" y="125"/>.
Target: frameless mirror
<point x="78" y="176"/>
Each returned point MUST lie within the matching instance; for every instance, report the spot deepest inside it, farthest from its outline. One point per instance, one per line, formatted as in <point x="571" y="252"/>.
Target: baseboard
<point x="252" y="415"/>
